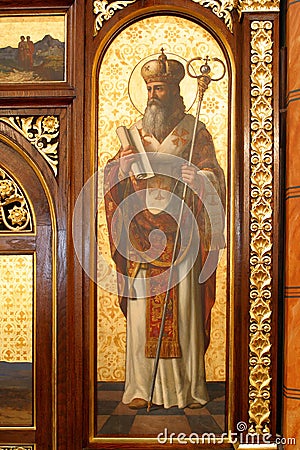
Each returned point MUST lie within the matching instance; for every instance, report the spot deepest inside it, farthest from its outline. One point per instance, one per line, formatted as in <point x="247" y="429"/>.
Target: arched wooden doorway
<point x="27" y="256"/>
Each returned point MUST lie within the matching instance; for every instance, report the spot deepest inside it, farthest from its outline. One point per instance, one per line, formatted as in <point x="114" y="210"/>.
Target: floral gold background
<point x="188" y="40"/>
<point x="16" y="308"/>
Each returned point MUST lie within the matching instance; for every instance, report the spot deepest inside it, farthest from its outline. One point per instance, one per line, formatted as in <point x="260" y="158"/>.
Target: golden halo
<point x="137" y="87"/>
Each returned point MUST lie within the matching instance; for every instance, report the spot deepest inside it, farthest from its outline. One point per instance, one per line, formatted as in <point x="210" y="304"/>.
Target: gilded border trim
<point x="261" y="225"/>
<point x="42" y="132"/>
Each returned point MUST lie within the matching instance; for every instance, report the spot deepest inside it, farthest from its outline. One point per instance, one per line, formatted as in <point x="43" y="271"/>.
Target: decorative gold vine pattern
<point x="15" y="213"/>
<point x="259" y="5"/>
<point x="222" y="8"/>
<point x="261" y="217"/>
<point x="105" y="11"/>
<point x="41" y="131"/>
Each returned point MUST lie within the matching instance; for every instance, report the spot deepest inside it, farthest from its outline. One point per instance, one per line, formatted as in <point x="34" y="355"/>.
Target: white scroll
<point x="141" y="167"/>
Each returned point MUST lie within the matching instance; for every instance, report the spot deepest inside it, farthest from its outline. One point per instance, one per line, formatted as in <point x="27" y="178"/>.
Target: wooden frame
<point x="43" y="88"/>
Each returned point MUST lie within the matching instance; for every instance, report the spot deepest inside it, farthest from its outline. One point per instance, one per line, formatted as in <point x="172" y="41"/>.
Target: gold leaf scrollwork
<point x="42" y="132"/>
<point x="105" y="11"/>
<point x="15" y="213"/>
<point x="222" y="8"/>
<point x="260" y="5"/>
<point x="261" y="216"/>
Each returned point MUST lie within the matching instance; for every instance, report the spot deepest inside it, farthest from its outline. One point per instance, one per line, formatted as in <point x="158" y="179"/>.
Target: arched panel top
<point x="16" y="212"/>
<point x="104" y="10"/>
<point x="121" y="91"/>
<point x="31" y="183"/>
<point x="201" y="16"/>
<point x="121" y="98"/>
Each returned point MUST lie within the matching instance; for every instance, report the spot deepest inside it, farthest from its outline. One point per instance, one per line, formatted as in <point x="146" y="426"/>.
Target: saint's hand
<point x="191" y="177"/>
<point x="126" y="159"/>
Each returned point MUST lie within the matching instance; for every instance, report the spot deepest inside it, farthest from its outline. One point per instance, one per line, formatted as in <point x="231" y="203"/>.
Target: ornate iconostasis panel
<point x="119" y="88"/>
<point x="27" y="293"/>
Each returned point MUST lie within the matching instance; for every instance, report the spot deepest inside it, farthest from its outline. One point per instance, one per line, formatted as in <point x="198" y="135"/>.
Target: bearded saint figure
<point x="166" y="131"/>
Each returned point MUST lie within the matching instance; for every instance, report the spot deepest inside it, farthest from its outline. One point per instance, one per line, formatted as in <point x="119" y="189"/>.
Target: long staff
<point x="203" y="80"/>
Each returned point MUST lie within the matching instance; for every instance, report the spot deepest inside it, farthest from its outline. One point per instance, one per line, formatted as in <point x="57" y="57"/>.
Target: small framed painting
<point x="32" y="48"/>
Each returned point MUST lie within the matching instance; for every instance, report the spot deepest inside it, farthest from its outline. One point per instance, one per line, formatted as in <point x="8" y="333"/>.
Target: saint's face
<point x="159" y="91"/>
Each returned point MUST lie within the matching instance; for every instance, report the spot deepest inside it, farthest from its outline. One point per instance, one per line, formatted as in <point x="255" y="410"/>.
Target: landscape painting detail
<point x="32" y="48"/>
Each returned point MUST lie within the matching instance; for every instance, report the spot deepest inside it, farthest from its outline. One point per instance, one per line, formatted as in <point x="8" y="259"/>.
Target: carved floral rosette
<point x="15" y="214"/>
<point x="261" y="225"/>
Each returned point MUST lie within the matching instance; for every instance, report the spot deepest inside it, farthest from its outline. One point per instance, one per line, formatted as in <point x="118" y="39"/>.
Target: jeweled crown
<point x="163" y="69"/>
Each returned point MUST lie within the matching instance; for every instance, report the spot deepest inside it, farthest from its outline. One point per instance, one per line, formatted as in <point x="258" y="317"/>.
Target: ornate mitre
<point x="163" y="69"/>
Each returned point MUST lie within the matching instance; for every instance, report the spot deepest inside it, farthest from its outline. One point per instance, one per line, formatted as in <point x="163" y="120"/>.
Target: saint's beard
<point x="156" y="120"/>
